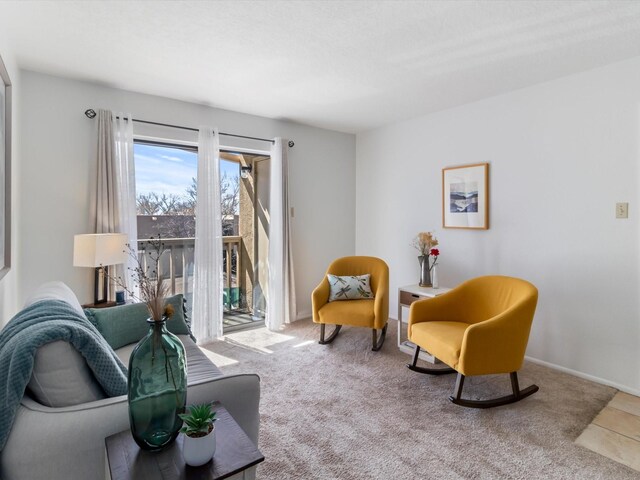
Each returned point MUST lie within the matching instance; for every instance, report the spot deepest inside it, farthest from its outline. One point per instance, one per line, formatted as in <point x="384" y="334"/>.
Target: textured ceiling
<point x="344" y="65"/>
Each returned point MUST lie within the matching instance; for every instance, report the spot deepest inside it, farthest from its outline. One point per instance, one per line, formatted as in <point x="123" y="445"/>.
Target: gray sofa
<point x="68" y="442"/>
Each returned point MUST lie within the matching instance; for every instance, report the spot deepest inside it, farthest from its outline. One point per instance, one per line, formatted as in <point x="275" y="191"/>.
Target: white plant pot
<point x="198" y="451"/>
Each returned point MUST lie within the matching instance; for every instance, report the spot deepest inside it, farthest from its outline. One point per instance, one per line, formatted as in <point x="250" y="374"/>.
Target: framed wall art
<point x="465" y="196"/>
<point x="5" y="170"/>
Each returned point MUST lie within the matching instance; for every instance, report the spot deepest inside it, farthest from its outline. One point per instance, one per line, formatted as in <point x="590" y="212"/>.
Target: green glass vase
<point x="157" y="387"/>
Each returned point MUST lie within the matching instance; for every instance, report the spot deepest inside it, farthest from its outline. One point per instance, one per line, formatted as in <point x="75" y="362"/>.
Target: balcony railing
<point x="176" y="266"/>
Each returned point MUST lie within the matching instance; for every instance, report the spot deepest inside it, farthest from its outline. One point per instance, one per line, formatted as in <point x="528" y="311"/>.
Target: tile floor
<point x="615" y="432"/>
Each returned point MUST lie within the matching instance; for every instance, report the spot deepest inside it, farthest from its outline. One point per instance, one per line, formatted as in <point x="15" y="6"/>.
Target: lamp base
<point x="101" y="285"/>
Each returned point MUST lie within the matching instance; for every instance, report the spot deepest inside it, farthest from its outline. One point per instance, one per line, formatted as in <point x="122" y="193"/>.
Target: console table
<point x="406" y="296"/>
<point x="100" y="305"/>
<point x="235" y="452"/>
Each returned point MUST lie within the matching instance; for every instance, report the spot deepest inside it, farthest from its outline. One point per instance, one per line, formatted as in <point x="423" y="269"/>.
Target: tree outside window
<point x="166" y="198"/>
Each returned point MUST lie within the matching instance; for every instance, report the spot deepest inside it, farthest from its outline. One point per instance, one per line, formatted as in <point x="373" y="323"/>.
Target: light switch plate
<point x="622" y="210"/>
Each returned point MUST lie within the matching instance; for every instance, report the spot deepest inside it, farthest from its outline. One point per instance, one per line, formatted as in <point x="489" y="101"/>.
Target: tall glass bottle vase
<point x="157" y="387"/>
<point x="435" y="283"/>
<point x="425" y="276"/>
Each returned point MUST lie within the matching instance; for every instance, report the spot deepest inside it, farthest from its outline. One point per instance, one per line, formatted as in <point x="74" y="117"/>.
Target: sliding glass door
<point x="166" y="206"/>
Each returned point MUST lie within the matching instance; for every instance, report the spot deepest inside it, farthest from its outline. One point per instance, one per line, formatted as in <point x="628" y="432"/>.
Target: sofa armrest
<point x="69" y="441"/>
<point x="240" y="395"/>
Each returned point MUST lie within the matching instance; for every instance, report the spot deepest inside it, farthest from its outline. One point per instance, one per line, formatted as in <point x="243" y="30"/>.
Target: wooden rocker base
<point x="456" y="398"/>
<point x="429" y="371"/>
<point x="378" y="342"/>
<point x="331" y="337"/>
<point x="516" y="396"/>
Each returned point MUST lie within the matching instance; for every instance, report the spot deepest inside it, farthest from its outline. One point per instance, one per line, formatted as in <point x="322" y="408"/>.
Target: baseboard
<point x="303" y="315"/>
<point x="575" y="373"/>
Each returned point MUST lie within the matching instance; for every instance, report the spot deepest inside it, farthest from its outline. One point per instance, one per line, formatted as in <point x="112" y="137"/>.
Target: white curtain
<point x="107" y="207"/>
<point x="116" y="195"/>
<point x="126" y="191"/>
<point x="281" y="298"/>
<point x="207" y="276"/>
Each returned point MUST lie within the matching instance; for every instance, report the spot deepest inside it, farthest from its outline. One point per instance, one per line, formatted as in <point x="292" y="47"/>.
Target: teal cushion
<point x="125" y="324"/>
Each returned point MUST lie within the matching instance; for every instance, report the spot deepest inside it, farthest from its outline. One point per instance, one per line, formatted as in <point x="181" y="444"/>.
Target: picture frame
<point x="5" y="170"/>
<point x="465" y="197"/>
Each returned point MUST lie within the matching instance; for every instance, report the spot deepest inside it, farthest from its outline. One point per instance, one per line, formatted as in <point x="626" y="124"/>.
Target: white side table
<point x="406" y="296"/>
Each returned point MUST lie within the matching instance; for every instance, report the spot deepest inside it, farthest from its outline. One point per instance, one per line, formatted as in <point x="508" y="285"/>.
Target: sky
<point x="169" y="170"/>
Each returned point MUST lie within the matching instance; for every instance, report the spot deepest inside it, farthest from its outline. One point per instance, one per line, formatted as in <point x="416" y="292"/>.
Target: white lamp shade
<point x="99" y="249"/>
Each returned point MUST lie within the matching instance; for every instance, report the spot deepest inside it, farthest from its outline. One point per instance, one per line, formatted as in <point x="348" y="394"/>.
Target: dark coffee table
<point x="235" y="452"/>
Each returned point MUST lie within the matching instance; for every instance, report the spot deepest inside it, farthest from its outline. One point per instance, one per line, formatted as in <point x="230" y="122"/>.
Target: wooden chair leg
<point x="459" y="385"/>
<point x="515" y="388"/>
<point x="516" y="396"/>
<point x="378" y="342"/>
<point x="430" y="371"/>
<point x="331" y="337"/>
<point x="416" y="354"/>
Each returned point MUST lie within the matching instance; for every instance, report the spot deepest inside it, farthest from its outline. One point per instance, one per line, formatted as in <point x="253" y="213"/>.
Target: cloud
<point x="172" y="158"/>
<point x="160" y="173"/>
<point x="169" y="170"/>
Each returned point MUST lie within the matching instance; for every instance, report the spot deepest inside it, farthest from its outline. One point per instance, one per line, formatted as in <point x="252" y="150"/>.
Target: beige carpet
<point x="344" y="412"/>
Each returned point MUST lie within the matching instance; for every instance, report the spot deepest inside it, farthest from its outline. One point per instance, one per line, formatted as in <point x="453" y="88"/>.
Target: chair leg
<point x="515" y="387"/>
<point x="516" y="396"/>
<point x="430" y="371"/>
<point x="416" y="354"/>
<point x="459" y="385"/>
<point x="377" y="343"/>
<point x="331" y="337"/>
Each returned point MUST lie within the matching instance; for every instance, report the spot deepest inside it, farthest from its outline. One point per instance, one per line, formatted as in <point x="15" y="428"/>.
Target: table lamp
<point x="100" y="250"/>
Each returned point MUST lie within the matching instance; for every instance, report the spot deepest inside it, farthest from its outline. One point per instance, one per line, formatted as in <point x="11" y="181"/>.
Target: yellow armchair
<point x="360" y="313"/>
<point x="479" y="328"/>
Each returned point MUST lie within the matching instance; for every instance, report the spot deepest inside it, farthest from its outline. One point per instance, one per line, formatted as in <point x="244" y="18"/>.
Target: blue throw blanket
<point x="44" y="322"/>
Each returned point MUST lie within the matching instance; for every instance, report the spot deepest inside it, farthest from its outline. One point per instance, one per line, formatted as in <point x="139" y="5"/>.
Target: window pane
<point x="165" y="191"/>
<point x="166" y="200"/>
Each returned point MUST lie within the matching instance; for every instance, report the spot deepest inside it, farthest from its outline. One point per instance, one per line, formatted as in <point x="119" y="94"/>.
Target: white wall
<point x="58" y="176"/>
<point x="561" y="155"/>
<point x="9" y="283"/>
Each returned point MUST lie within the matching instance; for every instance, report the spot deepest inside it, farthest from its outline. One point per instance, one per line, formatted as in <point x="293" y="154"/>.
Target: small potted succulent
<point x="199" y="434"/>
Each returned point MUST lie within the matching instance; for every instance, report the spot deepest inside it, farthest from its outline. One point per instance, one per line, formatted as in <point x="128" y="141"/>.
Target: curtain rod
<point x="91" y="113"/>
